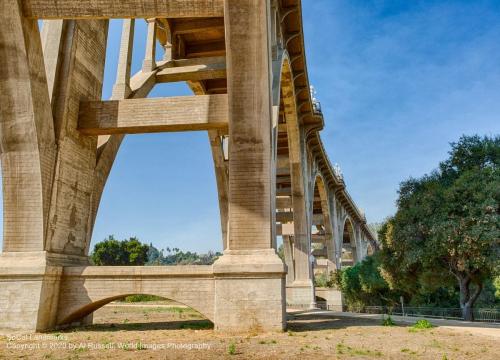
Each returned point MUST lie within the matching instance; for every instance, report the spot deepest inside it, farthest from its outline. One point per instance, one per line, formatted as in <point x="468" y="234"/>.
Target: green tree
<point x="112" y="252"/>
<point x="447" y="224"/>
<point x="363" y="285"/>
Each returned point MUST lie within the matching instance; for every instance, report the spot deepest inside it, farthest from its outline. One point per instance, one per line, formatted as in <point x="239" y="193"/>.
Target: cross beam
<point x="134" y="116"/>
<point x="108" y="9"/>
<point x="192" y="72"/>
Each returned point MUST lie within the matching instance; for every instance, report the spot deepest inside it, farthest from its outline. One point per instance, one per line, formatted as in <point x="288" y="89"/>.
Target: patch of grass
<point x="141" y="298"/>
<point x="231" y="349"/>
<point x="343" y="349"/>
<point x="387" y="321"/>
<point x="291" y="333"/>
<point x="435" y="344"/>
<point x="422" y="324"/>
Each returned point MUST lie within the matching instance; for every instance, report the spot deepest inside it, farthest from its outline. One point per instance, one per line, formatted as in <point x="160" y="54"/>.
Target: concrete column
<point x="168" y="54"/>
<point x="289" y="261"/>
<point x="337" y="238"/>
<point x="301" y="291"/>
<point x="249" y="277"/>
<point x="221" y="176"/>
<point x="149" y="63"/>
<point x="52" y="33"/>
<point x="51" y="201"/>
<point x="328" y="226"/>
<point x="357" y="241"/>
<point x="122" y="90"/>
<point x="29" y="286"/>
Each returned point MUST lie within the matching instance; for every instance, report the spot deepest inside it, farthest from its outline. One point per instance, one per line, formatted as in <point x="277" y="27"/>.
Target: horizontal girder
<point x="121" y="9"/>
<point x="134" y="116"/>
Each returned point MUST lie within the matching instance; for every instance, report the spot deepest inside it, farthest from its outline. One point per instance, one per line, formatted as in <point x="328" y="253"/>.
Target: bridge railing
<point x="480" y="314"/>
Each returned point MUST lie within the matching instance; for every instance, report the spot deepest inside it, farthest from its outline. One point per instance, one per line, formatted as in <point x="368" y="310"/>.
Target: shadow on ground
<point x="145" y="326"/>
<point x="309" y="321"/>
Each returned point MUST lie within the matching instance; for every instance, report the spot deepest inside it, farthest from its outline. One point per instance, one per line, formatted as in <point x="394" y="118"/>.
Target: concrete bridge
<point x="245" y="62"/>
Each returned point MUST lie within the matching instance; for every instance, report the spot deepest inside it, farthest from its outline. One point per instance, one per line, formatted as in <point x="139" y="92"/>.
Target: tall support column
<point x="337" y="238"/>
<point x="328" y="226"/>
<point x="221" y="176"/>
<point x="29" y="286"/>
<point x="122" y="90"/>
<point x="149" y="63"/>
<point x="289" y="261"/>
<point x="301" y="291"/>
<point x="51" y="185"/>
<point x="249" y="277"/>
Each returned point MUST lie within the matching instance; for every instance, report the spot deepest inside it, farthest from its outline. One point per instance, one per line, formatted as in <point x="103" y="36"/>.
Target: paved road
<point x="481" y="328"/>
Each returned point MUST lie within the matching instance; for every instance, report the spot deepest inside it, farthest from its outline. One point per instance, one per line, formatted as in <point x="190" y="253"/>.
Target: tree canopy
<point x="114" y="252"/>
<point x="447" y="224"/>
<point x="133" y="252"/>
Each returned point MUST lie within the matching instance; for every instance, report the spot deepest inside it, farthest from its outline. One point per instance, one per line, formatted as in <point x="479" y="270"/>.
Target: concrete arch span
<point x="349" y="243"/>
<point x="86" y="289"/>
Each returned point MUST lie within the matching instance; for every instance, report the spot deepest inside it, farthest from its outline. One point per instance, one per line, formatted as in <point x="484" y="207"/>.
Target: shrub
<point x="231" y="350"/>
<point x="387" y="321"/>
<point x="422" y="324"/>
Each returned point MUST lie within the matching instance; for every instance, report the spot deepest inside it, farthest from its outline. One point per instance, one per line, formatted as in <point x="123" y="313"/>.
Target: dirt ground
<point x="163" y="331"/>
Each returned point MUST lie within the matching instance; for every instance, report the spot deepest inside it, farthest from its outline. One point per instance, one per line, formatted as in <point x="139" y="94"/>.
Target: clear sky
<point x="397" y="80"/>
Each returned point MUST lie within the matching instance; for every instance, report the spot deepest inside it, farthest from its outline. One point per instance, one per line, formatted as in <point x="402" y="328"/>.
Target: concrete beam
<point x="192" y="72"/>
<point x="121" y="9"/>
<point x="133" y="116"/>
<point x="283" y="202"/>
<point x="284" y="216"/>
<point x="198" y="25"/>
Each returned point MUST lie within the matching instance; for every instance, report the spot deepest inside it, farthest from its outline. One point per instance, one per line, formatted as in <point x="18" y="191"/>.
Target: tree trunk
<point x="467" y="312"/>
<point x="466" y="299"/>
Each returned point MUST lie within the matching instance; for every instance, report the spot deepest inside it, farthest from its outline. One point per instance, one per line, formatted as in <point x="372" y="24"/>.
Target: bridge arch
<point x="86" y="289"/>
<point x="322" y="231"/>
<point x="349" y="248"/>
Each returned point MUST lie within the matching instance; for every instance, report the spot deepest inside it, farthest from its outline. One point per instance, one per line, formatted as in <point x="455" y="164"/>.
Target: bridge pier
<point x="250" y="277"/>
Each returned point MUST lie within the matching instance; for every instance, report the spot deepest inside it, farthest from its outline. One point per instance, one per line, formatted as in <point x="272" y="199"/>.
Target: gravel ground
<point x="174" y="332"/>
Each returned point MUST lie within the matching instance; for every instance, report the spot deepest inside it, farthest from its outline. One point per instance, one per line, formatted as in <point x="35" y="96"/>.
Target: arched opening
<point x="322" y="242"/>
<point x="157" y="187"/>
<point x="137" y="312"/>
<point x="348" y="257"/>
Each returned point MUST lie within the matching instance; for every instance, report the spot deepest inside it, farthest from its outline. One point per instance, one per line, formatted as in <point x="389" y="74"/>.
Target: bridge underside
<point x="245" y="63"/>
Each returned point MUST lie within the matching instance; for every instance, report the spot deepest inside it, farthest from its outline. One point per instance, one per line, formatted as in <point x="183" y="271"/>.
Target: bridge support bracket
<point x="250" y="291"/>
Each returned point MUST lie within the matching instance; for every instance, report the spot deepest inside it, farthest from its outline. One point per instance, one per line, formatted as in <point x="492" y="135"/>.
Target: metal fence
<point x="484" y="315"/>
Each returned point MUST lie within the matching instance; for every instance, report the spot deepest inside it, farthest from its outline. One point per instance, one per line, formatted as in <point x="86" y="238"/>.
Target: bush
<point x="325" y="280"/>
<point x="231" y="350"/>
<point x="422" y="324"/>
<point x="387" y="321"/>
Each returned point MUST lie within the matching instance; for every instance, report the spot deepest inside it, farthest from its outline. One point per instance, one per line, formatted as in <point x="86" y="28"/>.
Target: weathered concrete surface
<point x="29" y="291"/>
<point x="250" y="290"/>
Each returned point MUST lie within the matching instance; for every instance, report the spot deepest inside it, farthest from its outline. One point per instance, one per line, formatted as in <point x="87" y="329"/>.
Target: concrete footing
<point x="301" y="294"/>
<point x="250" y="291"/>
<point x="29" y="291"/>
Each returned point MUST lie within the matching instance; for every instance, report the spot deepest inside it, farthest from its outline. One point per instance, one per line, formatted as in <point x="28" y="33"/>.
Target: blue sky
<point x="398" y="80"/>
